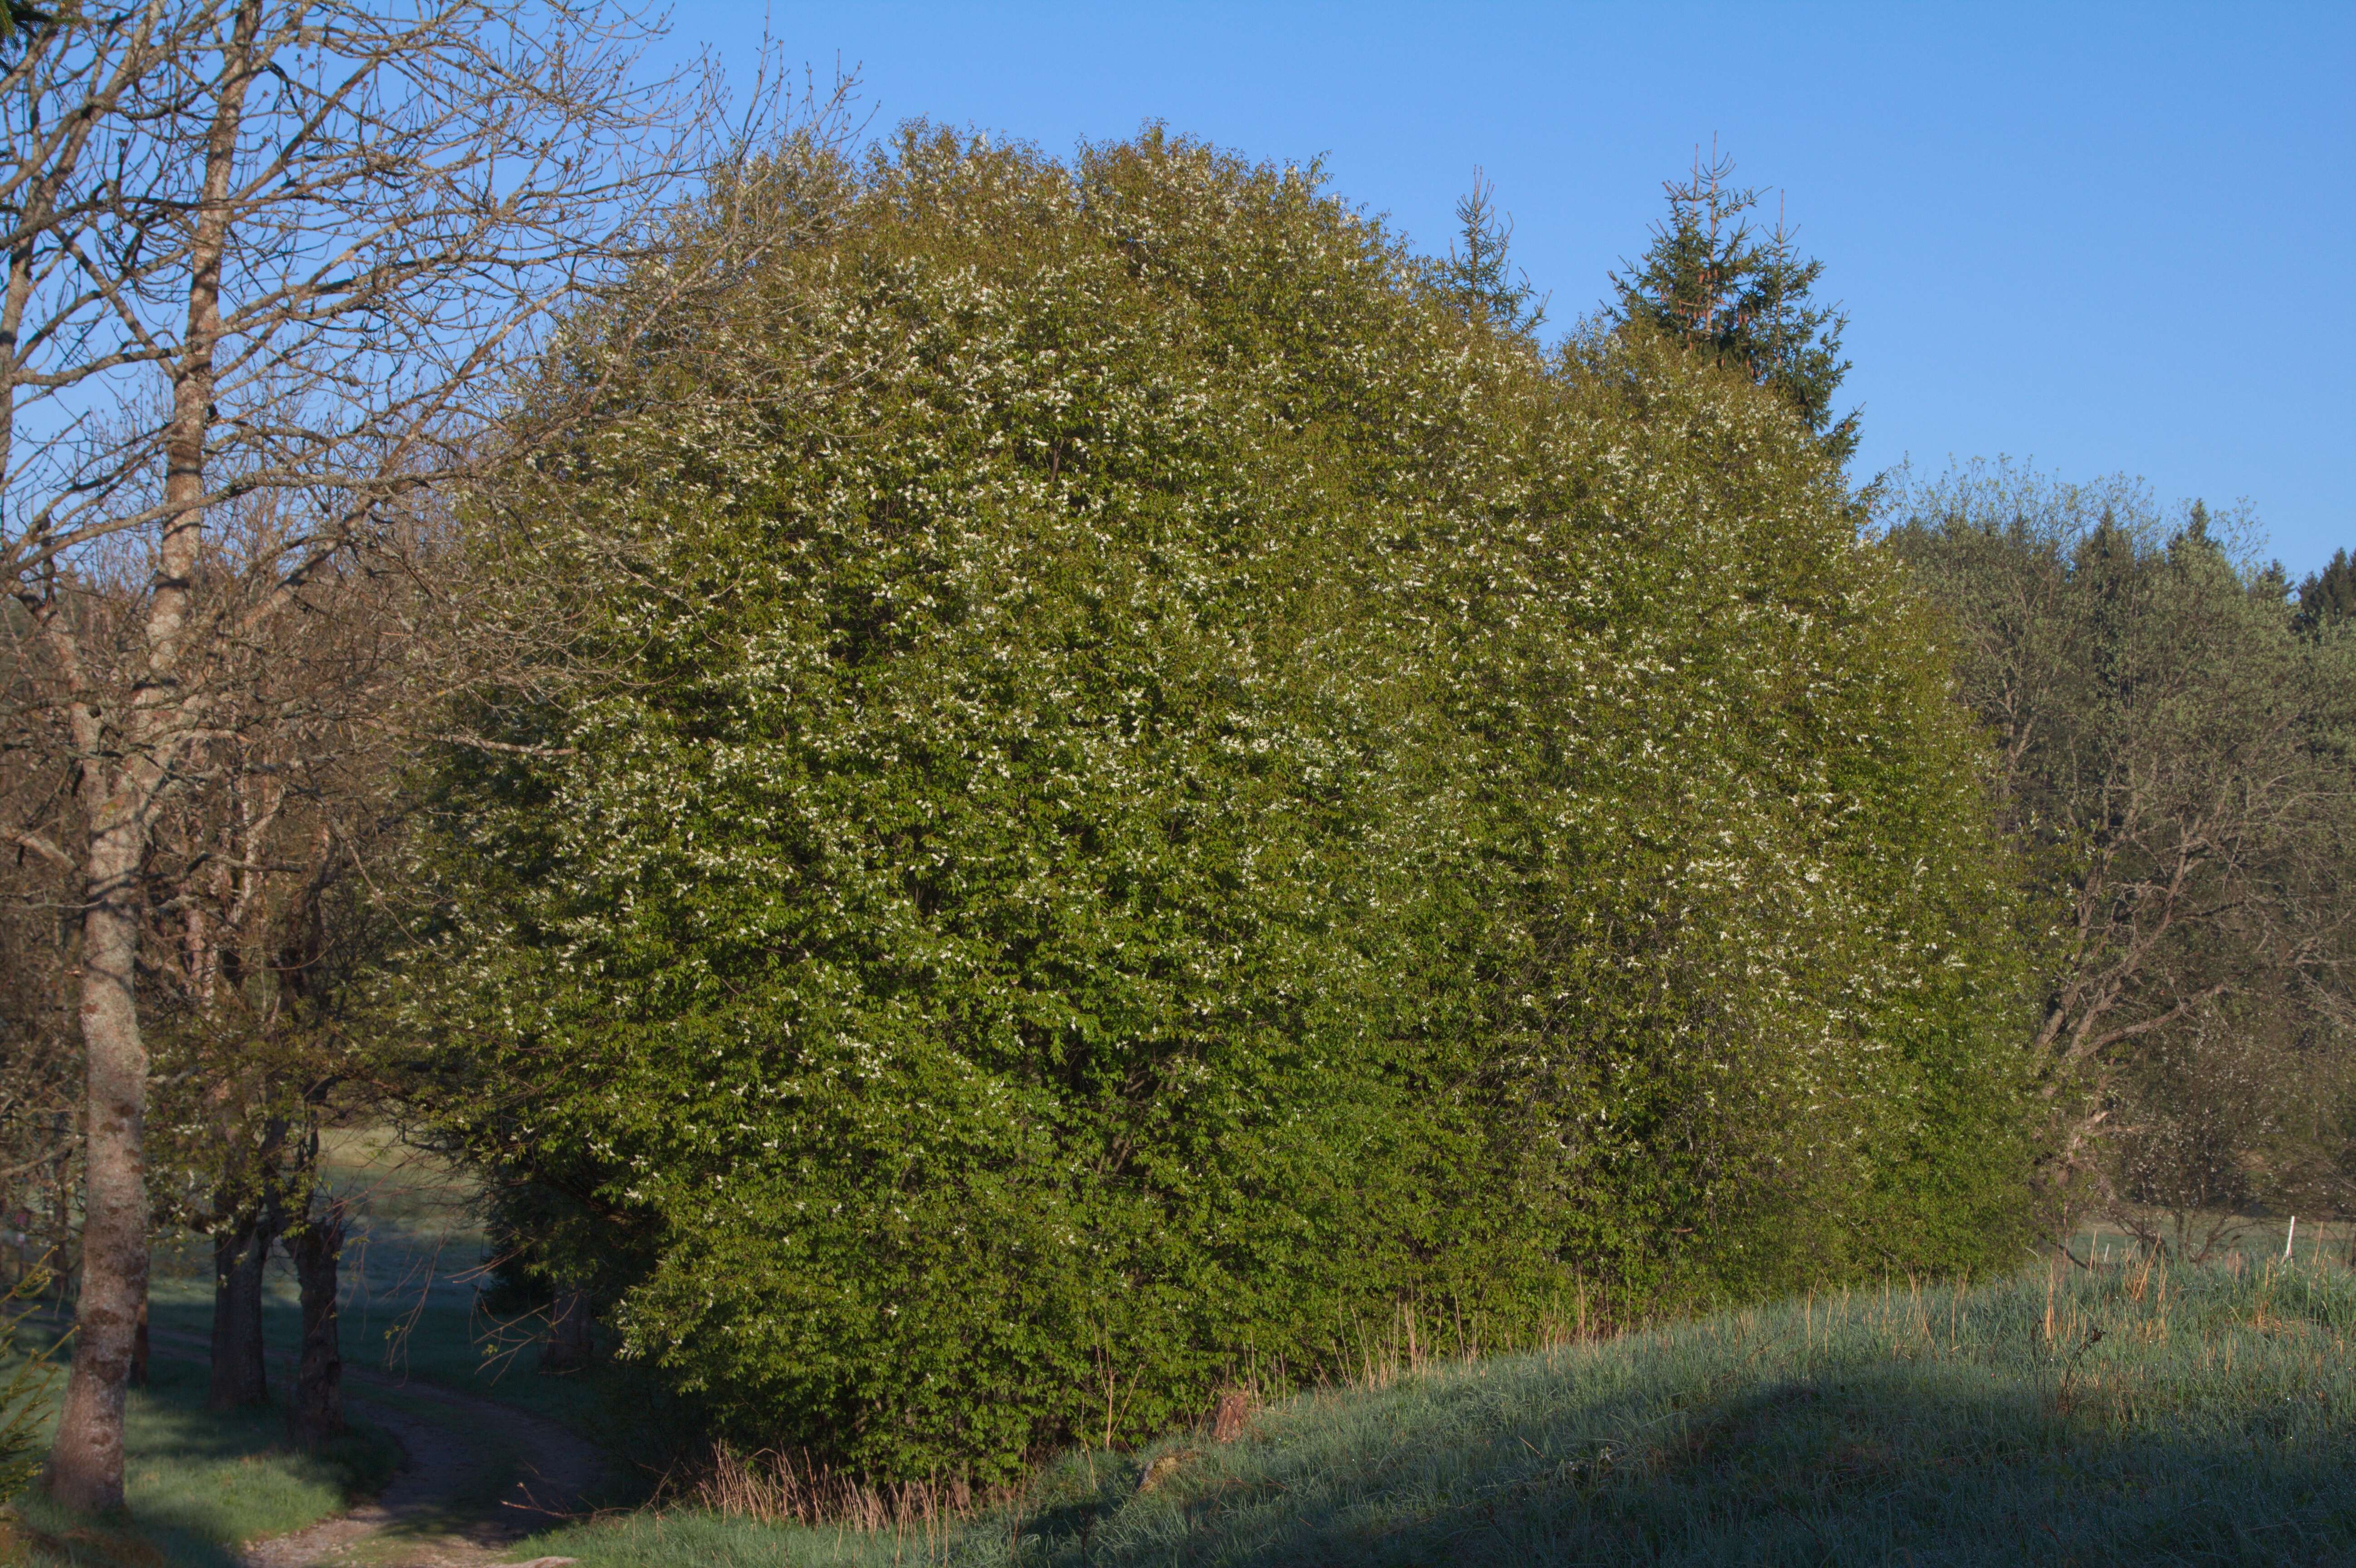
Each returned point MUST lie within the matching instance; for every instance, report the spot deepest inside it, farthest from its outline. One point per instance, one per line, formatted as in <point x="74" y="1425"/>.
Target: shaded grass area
<point x="200" y="1483"/>
<point x="433" y="1333"/>
<point x="2118" y="1417"/>
<point x="410" y="1304"/>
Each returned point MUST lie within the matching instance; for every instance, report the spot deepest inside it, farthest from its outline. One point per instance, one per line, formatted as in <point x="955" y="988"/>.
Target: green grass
<point x="2198" y="1416"/>
<point x="2123" y="1417"/>
<point x="408" y="1326"/>
<point x="200" y="1483"/>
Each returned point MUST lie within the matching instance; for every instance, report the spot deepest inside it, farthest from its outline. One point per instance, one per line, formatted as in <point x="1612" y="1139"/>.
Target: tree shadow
<point x="198" y="1480"/>
<point x="1916" y="1466"/>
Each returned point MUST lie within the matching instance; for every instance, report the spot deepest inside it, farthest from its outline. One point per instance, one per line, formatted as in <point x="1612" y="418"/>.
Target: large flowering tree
<point x="1147" y="792"/>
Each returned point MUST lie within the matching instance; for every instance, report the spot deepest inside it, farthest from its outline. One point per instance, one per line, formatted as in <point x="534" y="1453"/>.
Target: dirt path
<point x="476" y="1476"/>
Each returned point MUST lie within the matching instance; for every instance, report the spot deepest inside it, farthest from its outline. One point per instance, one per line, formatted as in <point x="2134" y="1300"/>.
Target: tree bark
<point x="572" y="1343"/>
<point x="416" y="193"/>
<point x="86" y="1457"/>
<point x="240" y="1254"/>
<point x="319" y="1413"/>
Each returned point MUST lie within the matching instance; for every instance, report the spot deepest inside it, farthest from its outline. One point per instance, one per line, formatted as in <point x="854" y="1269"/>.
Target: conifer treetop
<point x="1713" y="278"/>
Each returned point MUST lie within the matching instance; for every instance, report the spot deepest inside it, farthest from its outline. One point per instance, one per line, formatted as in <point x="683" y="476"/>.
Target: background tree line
<point x="2170" y="724"/>
<point x="990" y="793"/>
<point x="2172" y="729"/>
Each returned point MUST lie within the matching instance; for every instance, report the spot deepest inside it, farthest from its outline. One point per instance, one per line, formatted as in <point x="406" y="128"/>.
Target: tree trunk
<point x="139" y="1349"/>
<point x="240" y="1254"/>
<point x="86" y="1457"/>
<point x="85" y="1469"/>
<point x="319" y="1413"/>
<point x="571" y="1344"/>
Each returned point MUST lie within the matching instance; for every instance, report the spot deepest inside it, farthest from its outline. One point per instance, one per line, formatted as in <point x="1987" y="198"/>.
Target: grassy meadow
<point x="2128" y="1415"/>
<point x="411" y="1303"/>
<point x="201" y="1483"/>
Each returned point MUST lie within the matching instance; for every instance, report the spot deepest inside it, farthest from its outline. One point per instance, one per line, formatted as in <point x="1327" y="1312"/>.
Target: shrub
<point x="1144" y="792"/>
<point x="25" y="1380"/>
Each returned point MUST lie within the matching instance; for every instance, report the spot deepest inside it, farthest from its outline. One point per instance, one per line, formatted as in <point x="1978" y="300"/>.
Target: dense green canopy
<point x="1148" y="797"/>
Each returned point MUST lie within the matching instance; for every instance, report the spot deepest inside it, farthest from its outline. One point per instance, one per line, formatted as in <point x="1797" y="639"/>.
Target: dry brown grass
<point x="772" y="1486"/>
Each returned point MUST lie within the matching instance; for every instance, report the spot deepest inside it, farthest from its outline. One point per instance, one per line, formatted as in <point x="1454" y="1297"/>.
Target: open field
<point x="2120" y="1417"/>
<point x="2320" y="1243"/>
<point x="200" y="1484"/>
<point x="410" y="1301"/>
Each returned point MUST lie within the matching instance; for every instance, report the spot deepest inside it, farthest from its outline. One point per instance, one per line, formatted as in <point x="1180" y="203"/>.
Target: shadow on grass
<point x="399" y="1324"/>
<point x="1861" y="1469"/>
<point x="199" y="1482"/>
<point x="1800" y="1476"/>
<point x="2210" y="1418"/>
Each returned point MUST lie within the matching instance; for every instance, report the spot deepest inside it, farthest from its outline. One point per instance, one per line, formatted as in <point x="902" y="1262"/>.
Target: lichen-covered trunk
<point x="240" y="1254"/>
<point x="318" y="1414"/>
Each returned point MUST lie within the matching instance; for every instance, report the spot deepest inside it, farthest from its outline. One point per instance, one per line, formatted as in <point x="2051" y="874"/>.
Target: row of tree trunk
<point x="240" y="1379"/>
<point x="239" y="1376"/>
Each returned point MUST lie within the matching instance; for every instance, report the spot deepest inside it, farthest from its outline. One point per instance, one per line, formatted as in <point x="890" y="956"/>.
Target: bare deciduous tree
<point x="2173" y="764"/>
<point x="279" y="261"/>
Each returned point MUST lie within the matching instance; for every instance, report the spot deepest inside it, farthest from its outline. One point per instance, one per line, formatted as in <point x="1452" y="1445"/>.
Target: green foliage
<point x="24" y="1394"/>
<point x="1146" y="790"/>
<point x="19" y="19"/>
<point x="2328" y="597"/>
<point x="1711" y="283"/>
<point x="1479" y="276"/>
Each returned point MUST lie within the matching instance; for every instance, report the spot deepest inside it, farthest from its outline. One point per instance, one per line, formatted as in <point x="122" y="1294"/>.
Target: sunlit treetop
<point x="1715" y="280"/>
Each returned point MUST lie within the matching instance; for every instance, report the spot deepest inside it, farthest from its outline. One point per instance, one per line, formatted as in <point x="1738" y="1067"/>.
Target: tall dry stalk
<point x="772" y="1486"/>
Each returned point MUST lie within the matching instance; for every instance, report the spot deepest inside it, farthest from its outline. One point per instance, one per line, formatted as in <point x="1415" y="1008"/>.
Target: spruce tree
<point x="1479" y="276"/>
<point x="1712" y="279"/>
<point x="18" y="19"/>
<point x="2328" y="597"/>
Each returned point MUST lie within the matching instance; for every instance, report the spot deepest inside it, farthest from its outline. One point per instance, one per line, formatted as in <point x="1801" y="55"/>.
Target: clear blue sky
<point x="2105" y="238"/>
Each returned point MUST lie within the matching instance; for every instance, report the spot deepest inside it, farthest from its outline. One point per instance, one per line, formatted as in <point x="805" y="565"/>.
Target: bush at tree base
<point x="1153" y="792"/>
